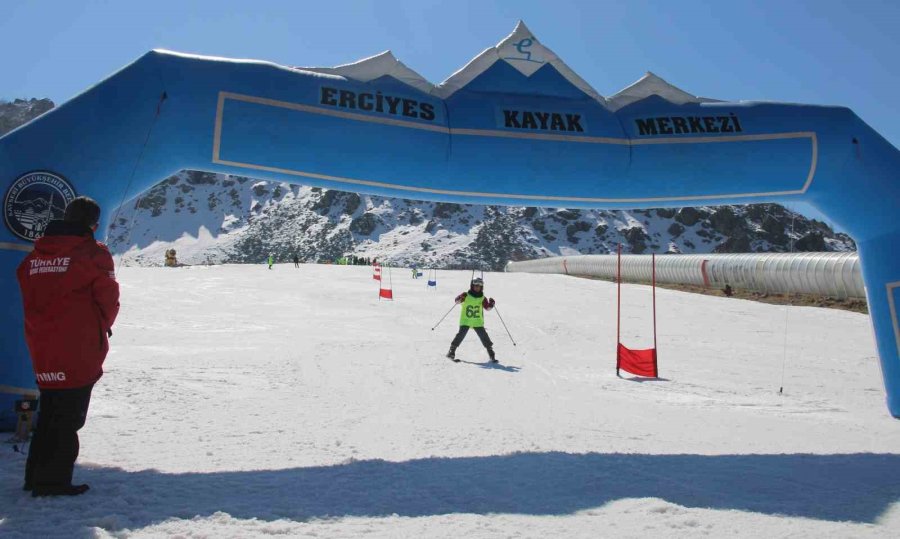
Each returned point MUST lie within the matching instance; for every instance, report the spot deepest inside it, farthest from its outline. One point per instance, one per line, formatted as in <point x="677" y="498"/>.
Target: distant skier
<point x="296" y="261"/>
<point x="470" y="316"/>
<point x="271" y="261"/>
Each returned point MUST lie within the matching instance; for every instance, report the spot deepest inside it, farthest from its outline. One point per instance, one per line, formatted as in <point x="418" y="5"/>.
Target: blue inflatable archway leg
<point x="881" y="273"/>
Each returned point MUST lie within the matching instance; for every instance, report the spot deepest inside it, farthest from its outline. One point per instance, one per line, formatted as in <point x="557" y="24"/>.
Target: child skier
<point x="470" y="316"/>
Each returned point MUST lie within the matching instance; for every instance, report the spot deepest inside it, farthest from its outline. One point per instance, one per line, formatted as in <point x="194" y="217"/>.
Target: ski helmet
<point x="478" y="281"/>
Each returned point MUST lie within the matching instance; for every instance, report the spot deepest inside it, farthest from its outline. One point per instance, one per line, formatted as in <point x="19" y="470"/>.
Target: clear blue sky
<point x="810" y="51"/>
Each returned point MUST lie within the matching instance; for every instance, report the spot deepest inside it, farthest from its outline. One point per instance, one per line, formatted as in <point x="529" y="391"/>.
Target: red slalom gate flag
<point x="376" y="273"/>
<point x="639" y="362"/>
<point x="386" y="293"/>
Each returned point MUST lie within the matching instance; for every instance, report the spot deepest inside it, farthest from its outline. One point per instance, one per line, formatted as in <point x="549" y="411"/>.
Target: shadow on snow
<point x="495" y="366"/>
<point x="851" y="487"/>
<point x="643" y="380"/>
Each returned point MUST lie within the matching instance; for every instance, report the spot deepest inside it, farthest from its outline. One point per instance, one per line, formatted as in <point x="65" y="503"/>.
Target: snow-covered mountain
<point x="217" y="218"/>
<point x="21" y="111"/>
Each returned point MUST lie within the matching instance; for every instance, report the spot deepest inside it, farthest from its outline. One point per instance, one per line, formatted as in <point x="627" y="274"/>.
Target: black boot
<point x="491" y="355"/>
<point x="452" y="354"/>
<point x="59" y="490"/>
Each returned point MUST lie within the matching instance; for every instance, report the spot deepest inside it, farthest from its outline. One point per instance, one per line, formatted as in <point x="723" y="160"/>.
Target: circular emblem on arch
<point x="33" y="200"/>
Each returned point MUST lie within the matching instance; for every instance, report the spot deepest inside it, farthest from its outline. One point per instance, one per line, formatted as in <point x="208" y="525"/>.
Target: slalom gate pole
<point x="380" y="283"/>
<point x="655" y="348"/>
<point x="504" y="326"/>
<point x="618" y="304"/>
<point x="445" y="316"/>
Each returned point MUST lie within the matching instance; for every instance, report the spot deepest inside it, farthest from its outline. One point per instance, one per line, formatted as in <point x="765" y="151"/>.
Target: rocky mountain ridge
<point x="21" y="111"/>
<point x="219" y="218"/>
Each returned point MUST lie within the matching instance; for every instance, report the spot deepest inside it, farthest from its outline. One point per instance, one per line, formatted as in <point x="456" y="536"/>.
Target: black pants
<point x="54" y="445"/>
<point x="482" y="334"/>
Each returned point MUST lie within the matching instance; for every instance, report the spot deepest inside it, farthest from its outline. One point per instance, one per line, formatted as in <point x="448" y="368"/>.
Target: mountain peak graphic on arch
<point x="514" y="126"/>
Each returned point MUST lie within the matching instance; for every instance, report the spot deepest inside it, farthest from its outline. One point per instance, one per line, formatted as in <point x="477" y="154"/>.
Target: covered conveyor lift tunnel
<point x="515" y="126"/>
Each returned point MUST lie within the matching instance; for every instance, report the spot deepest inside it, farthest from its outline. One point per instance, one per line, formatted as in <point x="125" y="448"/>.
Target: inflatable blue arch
<point x="515" y="126"/>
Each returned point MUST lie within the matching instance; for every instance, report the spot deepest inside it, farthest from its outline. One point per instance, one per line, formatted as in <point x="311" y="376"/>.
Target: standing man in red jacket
<point x="71" y="299"/>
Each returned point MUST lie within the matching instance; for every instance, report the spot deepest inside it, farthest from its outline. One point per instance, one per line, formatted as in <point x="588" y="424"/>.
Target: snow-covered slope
<point x="244" y="402"/>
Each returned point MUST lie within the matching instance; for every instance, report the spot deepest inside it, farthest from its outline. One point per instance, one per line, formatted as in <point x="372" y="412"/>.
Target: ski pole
<point x="504" y="326"/>
<point x="442" y="318"/>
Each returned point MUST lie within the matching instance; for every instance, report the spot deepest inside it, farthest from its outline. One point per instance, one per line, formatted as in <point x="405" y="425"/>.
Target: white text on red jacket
<point x="59" y="264"/>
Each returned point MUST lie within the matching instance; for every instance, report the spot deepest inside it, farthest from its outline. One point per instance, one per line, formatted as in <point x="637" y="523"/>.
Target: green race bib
<point x="471" y="312"/>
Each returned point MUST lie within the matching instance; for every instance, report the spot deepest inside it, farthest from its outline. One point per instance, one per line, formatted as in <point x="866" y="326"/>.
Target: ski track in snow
<point x="244" y="402"/>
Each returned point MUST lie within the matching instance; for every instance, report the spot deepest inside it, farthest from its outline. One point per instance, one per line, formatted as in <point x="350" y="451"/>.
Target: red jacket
<point x="71" y="300"/>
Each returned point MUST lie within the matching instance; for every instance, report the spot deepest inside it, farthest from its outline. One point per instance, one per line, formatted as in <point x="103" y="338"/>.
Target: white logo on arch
<point x="33" y="200"/>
